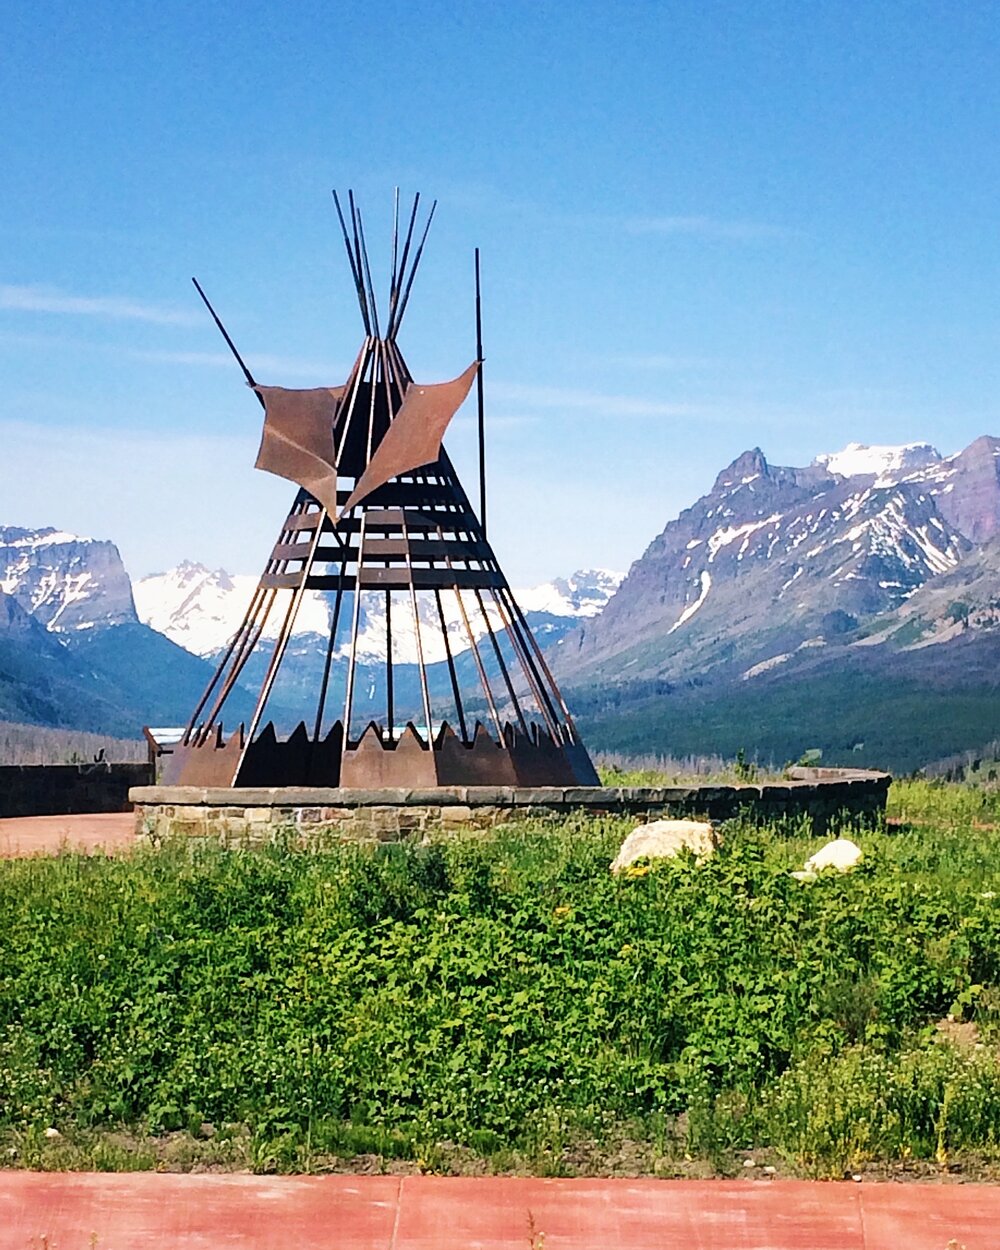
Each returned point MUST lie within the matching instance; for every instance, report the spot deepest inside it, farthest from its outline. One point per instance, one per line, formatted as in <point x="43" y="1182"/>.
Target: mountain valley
<point x="849" y="609"/>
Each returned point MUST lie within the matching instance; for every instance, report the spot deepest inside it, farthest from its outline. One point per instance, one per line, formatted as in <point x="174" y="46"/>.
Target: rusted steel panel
<point x="483" y="762"/>
<point x="212" y="763"/>
<point x="291" y="551"/>
<point x="298" y="761"/>
<point x="372" y="764"/>
<point x="414" y="437"/>
<point x="297" y="440"/>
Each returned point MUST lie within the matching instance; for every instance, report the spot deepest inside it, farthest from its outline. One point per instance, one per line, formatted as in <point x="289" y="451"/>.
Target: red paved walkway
<point x="143" y="1210"/>
<point x="45" y="835"/>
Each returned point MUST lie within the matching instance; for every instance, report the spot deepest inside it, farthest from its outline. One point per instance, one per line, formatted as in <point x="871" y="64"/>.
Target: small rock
<point x="769" y="1171"/>
<point x="841" y="854"/>
<point x="856" y="1176"/>
<point x="52" y="1133"/>
<point x="749" y="1163"/>
<point x="662" y="839"/>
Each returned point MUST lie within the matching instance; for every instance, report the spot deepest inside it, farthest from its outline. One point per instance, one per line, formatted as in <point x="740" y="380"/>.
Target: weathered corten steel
<point x="381" y="515"/>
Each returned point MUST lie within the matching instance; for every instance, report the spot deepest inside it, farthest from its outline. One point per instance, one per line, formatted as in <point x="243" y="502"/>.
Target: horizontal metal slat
<point x="380" y="519"/>
<point x="400" y="494"/>
<point x="281" y="581"/>
<point x="291" y="551"/>
<point x="424" y="549"/>
<point x="303" y="521"/>
<point x="428" y="579"/>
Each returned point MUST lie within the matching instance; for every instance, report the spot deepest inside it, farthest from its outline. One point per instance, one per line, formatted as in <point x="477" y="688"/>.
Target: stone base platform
<point x="388" y="815"/>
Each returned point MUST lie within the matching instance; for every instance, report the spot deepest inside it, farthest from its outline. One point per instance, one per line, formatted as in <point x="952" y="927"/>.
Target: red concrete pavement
<point x="135" y="1211"/>
<point x="45" y="835"/>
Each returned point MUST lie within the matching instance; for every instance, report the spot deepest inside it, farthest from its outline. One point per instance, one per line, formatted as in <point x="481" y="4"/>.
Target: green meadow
<point x="501" y="1002"/>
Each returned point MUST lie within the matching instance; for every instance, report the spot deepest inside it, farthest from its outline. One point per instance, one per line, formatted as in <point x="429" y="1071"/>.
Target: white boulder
<point x="661" y="839"/>
<point x="841" y="854"/>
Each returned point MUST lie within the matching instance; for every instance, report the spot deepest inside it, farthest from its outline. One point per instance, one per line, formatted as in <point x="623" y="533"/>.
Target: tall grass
<point x="503" y="997"/>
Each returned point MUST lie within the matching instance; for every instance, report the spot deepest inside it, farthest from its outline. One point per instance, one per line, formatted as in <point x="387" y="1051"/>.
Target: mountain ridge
<point x="831" y="607"/>
<point x="780" y="554"/>
<point x="201" y="608"/>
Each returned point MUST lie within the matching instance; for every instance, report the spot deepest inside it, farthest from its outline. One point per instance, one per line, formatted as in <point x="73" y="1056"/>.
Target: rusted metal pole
<point x="390" y="709"/>
<point x="357" y="251"/>
<point x="367" y="272"/>
<point x="395" y="247"/>
<point x="481" y="401"/>
<point x="356" y="615"/>
<point x="286" y="629"/>
<point x="394" y="327"/>
<point x="538" y="692"/>
<point x="331" y="645"/>
<point x="424" y="688"/>
<point x="452" y="672"/>
<point x="515" y="702"/>
<point x="402" y="265"/>
<point x="354" y="268"/>
<point x="232" y="346"/>
<point x="246" y="637"/>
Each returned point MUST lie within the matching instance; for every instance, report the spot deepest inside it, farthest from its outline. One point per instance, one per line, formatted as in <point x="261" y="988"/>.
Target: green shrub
<point x="506" y="995"/>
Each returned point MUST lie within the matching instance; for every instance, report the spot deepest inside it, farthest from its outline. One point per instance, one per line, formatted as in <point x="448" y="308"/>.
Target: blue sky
<point x="704" y="226"/>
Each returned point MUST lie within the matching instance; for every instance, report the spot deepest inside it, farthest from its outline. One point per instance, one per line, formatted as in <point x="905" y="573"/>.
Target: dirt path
<point x="45" y="835"/>
<point x="139" y="1210"/>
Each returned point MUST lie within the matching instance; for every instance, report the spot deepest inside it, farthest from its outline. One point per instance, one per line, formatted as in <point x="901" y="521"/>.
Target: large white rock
<point x="661" y="839"/>
<point x="841" y="854"/>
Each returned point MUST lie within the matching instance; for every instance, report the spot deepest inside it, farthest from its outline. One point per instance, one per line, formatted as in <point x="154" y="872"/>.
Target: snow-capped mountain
<point x="72" y="650"/>
<point x="201" y="609"/>
<point x="883" y="463"/>
<point x="775" y="558"/>
<point x="66" y="582"/>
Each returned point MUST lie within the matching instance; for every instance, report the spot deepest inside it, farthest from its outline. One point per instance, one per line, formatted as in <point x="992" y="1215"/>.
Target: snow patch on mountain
<point x="729" y="534"/>
<point x="883" y="462"/>
<point x="692" y="608"/>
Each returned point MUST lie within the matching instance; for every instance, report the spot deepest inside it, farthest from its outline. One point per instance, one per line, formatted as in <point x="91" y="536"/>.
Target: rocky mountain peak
<point x="966" y="488"/>
<point x="66" y="582"/>
<point x="746" y="468"/>
<point x="773" y="556"/>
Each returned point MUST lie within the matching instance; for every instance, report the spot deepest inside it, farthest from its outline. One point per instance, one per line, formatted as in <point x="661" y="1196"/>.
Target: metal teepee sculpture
<point x="381" y="514"/>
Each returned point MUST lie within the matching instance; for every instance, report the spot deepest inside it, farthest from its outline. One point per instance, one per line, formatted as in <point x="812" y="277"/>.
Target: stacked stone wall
<point x="392" y="815"/>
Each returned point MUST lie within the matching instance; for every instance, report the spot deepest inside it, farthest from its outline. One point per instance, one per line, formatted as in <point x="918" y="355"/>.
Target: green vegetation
<point x="501" y="1001"/>
<point x="856" y="718"/>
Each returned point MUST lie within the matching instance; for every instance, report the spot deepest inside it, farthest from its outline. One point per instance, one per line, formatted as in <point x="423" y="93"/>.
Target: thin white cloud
<point x="50" y="299"/>
<point x="588" y="401"/>
<point x="706" y="228"/>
